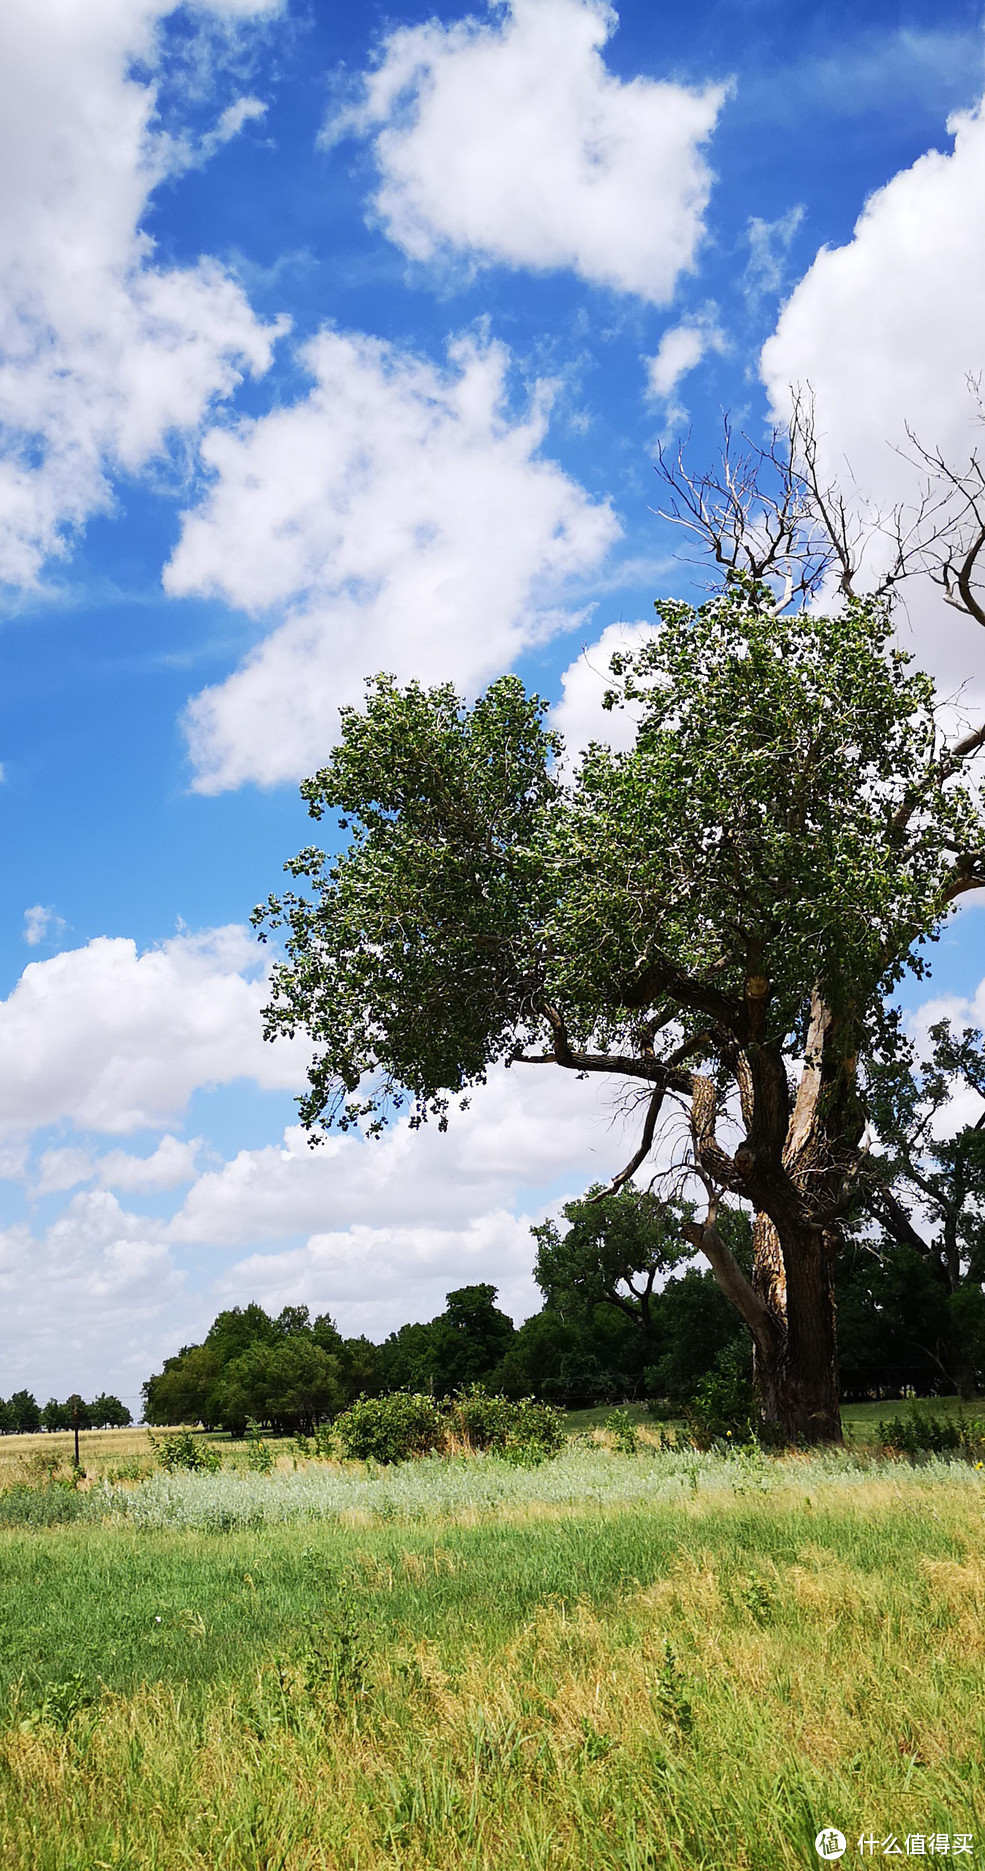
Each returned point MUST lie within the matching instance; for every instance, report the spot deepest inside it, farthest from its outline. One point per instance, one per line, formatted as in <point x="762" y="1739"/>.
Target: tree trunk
<point x="796" y="1376"/>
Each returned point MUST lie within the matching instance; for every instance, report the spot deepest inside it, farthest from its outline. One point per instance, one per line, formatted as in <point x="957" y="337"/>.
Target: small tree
<point x="107" y="1412"/>
<point x="469" y="1338"/>
<point x="291" y="1384"/>
<point x="612" y="1252"/>
<point x="24" y="1412"/>
<point x="182" y="1392"/>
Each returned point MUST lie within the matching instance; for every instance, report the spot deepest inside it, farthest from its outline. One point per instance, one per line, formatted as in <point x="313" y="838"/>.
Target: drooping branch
<point x="962" y="750"/>
<point x="886" y="1207"/>
<point x="961" y="577"/>
<point x="959" y="542"/>
<point x="969" y="874"/>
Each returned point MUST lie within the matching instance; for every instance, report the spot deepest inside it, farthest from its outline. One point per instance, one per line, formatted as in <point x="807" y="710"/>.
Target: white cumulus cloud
<point x="680" y="350"/>
<point x="523" y="1130"/>
<point x="405" y="520"/>
<point x="511" y="141"/>
<point x="173" y="1162"/>
<point x="115" y="1040"/>
<point x="580" y="714"/>
<point x="85" y="1304"/>
<point x="392" y="1224"/>
<point x="105" y="355"/>
<point x="885" y="332"/>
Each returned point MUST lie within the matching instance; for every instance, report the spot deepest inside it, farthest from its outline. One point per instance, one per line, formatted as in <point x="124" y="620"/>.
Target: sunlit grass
<point x="695" y="1680"/>
<point x="101" y="1451"/>
<point x="860" y="1421"/>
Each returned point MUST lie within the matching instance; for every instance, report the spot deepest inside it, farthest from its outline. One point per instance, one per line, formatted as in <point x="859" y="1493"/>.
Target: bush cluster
<point x="919" y="1432"/>
<point x="52" y="1505"/>
<point x="185" y="1450"/>
<point x="402" y="1425"/>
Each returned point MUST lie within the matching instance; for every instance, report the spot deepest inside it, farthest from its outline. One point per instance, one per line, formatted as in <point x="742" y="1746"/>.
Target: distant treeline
<point x="22" y="1415"/>
<point x="587" y="1345"/>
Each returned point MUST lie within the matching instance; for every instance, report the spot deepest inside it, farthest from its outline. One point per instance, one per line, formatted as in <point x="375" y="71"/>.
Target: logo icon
<point x="830" y="1843"/>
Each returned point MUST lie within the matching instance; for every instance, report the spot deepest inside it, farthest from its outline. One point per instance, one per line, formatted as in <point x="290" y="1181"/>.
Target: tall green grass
<point x="700" y="1679"/>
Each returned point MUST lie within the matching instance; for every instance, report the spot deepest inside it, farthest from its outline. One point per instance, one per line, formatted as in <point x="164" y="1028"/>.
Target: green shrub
<point x="390" y="1429"/>
<point x="520" y="1429"/>
<point x="920" y="1432"/>
<point x="50" y="1506"/>
<point x="620" y="1426"/>
<point x="481" y="1421"/>
<point x="723" y="1408"/>
<point x="259" y="1454"/>
<point x="535" y="1432"/>
<point x="399" y="1426"/>
<point x="183" y="1449"/>
<point x="130" y="1470"/>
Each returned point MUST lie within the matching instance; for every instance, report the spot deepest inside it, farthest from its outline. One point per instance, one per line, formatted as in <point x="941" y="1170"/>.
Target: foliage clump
<point x="401" y="1426"/>
<point x="390" y="1429"/>
<point x="185" y="1450"/>
<point x="921" y="1432"/>
<point x="723" y="1407"/>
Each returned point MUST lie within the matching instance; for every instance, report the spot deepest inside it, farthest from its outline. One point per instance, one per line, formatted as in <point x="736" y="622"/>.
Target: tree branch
<point x="730" y="1277"/>
<point x="809" y="1089"/>
<point x="646" y="1142"/>
<point x="661" y="1073"/>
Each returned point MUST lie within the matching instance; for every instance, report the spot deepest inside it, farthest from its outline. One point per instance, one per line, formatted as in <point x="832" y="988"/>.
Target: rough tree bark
<point x="792" y="1169"/>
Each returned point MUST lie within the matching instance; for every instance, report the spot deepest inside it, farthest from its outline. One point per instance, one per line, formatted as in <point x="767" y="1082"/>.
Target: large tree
<point x="714" y="919"/>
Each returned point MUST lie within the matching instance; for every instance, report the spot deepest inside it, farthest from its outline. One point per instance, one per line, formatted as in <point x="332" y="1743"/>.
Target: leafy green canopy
<point x="612" y="1252"/>
<point x="783" y="815"/>
<point x="786" y="824"/>
<point x="416" y="960"/>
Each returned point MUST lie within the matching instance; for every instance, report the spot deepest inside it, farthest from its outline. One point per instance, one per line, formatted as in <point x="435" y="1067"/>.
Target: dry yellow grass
<point x="99" y="1451"/>
<point x="776" y="1663"/>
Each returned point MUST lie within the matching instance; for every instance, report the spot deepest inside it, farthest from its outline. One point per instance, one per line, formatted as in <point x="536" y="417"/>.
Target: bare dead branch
<point x="772" y="514"/>
<point x="645" y="1145"/>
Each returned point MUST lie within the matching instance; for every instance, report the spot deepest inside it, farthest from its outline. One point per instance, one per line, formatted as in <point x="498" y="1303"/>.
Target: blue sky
<point x="338" y="339"/>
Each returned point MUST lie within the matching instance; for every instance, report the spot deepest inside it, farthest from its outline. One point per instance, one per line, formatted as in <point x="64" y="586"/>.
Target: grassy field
<point x="860" y="1420"/>
<point x="128" y="1454"/>
<point x="609" y="1663"/>
<point x="27" y="1458"/>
